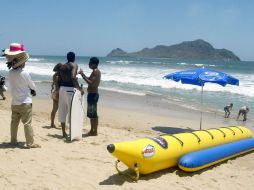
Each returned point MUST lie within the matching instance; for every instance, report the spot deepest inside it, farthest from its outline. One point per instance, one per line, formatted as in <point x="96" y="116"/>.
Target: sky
<point x="95" y="27"/>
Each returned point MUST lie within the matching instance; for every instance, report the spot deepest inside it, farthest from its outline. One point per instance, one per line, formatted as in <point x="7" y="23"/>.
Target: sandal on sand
<point x="34" y="146"/>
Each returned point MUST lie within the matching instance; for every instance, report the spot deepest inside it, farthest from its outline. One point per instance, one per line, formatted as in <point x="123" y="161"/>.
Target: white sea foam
<point x="36" y="59"/>
<point x="153" y="77"/>
<point x="143" y="78"/>
<point x="33" y="67"/>
<point x="182" y="63"/>
<point x="199" y="65"/>
<point x="120" y="62"/>
<point x="245" y="88"/>
<point x="150" y="76"/>
<point x="3" y="65"/>
<point x="123" y="91"/>
<point x="39" y="70"/>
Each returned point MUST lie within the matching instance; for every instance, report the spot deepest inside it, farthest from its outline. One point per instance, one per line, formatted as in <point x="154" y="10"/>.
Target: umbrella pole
<point x="201" y="110"/>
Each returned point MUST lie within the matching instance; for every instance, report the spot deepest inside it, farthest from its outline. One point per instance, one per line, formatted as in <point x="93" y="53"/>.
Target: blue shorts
<point x="92" y="99"/>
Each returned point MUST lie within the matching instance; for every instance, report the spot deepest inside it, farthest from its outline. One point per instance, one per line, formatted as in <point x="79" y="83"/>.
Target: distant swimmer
<point x="227" y="110"/>
<point x="243" y="111"/>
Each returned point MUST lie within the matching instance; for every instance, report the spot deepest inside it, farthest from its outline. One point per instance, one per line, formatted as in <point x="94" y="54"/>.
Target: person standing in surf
<point x="55" y="93"/>
<point x="243" y="111"/>
<point x="227" y="110"/>
<point x="68" y="80"/>
<point x="93" y="82"/>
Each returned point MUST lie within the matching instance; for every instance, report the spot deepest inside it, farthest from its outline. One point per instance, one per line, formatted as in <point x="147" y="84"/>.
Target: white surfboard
<point x="76" y="115"/>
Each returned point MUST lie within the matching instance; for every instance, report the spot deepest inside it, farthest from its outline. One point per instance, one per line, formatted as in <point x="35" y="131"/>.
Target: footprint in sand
<point x="94" y="143"/>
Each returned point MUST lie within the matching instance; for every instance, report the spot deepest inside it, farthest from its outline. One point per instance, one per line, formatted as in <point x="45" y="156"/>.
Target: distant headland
<point x="197" y="49"/>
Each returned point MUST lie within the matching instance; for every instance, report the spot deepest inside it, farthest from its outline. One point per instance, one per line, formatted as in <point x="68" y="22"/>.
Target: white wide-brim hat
<point x="15" y="49"/>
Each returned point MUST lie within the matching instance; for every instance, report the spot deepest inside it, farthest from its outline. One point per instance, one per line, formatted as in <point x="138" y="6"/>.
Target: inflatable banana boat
<point x="148" y="155"/>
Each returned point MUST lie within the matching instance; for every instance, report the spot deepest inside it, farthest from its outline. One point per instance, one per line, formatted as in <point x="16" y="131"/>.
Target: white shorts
<point x="65" y="96"/>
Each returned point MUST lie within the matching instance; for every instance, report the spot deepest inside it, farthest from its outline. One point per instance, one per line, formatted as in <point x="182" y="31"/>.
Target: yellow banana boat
<point x="148" y="155"/>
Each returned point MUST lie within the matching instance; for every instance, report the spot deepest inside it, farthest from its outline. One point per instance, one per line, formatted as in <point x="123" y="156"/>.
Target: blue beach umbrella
<point x="201" y="76"/>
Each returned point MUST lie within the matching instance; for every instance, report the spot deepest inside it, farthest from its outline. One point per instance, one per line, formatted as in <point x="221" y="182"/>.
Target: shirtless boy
<point x="93" y="82"/>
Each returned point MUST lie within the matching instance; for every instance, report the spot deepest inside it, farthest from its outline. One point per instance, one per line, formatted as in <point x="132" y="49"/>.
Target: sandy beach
<point x="86" y="164"/>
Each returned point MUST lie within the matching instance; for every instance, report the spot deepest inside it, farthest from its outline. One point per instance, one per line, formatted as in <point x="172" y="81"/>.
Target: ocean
<point x="144" y="77"/>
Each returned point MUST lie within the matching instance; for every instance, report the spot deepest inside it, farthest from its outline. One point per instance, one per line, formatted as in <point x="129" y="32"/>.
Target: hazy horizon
<point x="127" y="52"/>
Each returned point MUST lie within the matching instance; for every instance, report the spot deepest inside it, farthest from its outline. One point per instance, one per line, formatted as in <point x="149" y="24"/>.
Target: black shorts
<point x="226" y="109"/>
<point x="92" y="99"/>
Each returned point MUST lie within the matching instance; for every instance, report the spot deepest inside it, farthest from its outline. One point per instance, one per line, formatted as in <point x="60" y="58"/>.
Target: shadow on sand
<point x="170" y="130"/>
<point x="20" y="145"/>
<point x="66" y="140"/>
<point x="118" y="179"/>
<point x="49" y="127"/>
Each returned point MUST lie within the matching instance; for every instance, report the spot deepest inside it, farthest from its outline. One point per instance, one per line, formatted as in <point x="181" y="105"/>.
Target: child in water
<point x="227" y="110"/>
<point x="243" y="111"/>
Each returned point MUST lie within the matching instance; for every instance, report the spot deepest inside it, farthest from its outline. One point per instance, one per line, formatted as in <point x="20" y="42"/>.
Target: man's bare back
<point x="68" y="75"/>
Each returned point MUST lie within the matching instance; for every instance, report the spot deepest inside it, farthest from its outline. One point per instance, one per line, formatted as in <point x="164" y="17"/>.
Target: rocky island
<point x="197" y="49"/>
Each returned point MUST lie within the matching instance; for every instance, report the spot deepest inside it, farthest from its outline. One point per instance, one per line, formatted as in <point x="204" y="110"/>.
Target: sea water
<point x="144" y="77"/>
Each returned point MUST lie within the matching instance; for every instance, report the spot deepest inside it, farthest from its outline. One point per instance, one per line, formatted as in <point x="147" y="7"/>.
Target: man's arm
<point x="74" y="78"/>
<point x="89" y="80"/>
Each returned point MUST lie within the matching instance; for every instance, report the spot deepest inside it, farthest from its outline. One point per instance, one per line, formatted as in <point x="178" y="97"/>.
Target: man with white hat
<point x="21" y="88"/>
